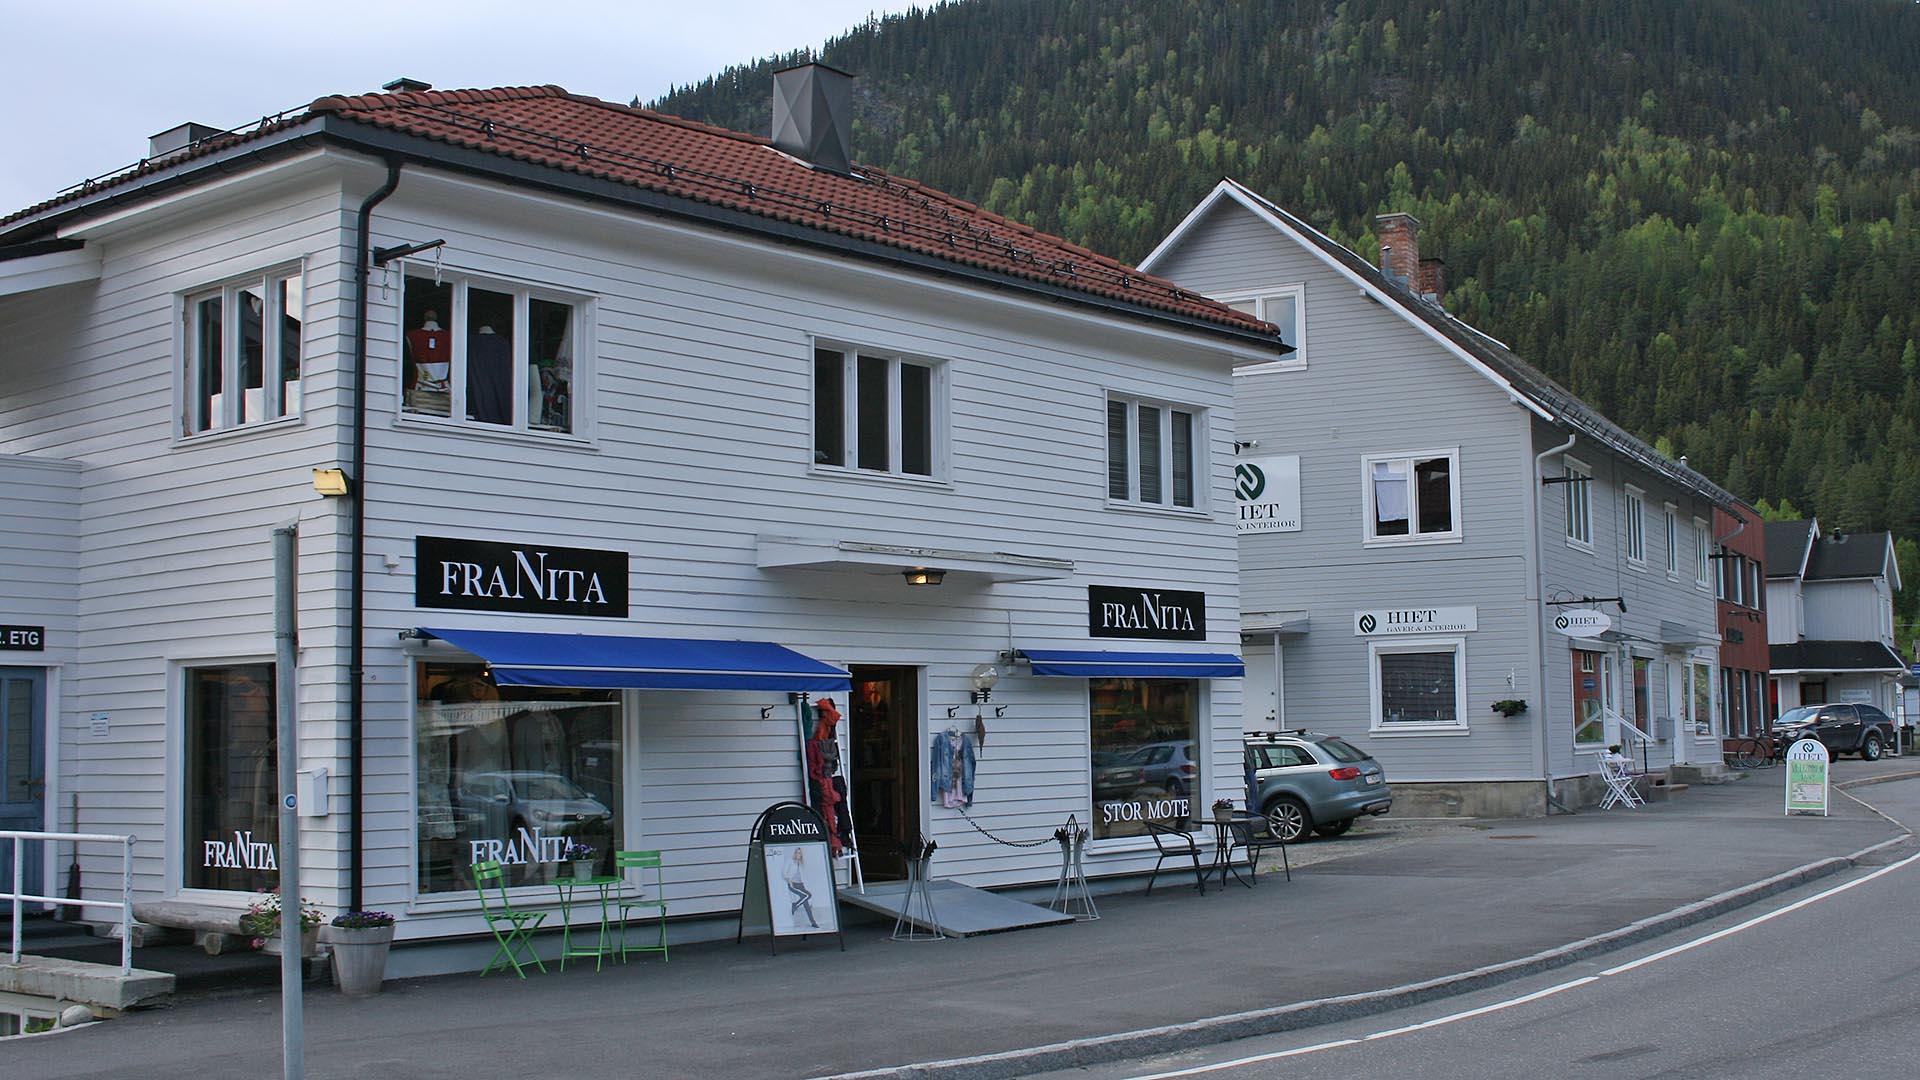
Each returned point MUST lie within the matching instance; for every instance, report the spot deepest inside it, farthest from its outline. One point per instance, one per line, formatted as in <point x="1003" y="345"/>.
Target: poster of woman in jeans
<point x="802" y="877"/>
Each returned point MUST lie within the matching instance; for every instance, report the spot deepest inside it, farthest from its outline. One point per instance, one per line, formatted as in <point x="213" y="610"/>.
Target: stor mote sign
<point x="482" y="575"/>
<point x="1130" y="612"/>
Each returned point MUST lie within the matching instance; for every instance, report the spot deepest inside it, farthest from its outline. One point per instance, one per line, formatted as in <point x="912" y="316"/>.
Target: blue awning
<point x="607" y="662"/>
<point x="1095" y="664"/>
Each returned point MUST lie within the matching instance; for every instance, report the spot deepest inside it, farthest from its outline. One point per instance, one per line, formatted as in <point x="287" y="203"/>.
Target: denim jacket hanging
<point x="952" y="769"/>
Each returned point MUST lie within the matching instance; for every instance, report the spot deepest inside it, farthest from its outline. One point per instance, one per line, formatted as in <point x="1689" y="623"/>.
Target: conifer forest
<point x="1699" y="215"/>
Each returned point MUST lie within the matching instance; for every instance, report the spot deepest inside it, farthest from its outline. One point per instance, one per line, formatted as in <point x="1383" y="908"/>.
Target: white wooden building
<point x="710" y="387"/>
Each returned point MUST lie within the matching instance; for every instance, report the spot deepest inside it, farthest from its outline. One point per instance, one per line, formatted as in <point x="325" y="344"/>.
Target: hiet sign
<point x="1393" y="622"/>
<point x="1162" y="614"/>
<point x="1266" y="492"/>
<point x="481" y="575"/>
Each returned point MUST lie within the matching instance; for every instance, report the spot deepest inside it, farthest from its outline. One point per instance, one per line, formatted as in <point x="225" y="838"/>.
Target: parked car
<point x="1843" y="728"/>
<point x="512" y="800"/>
<point x="1163" y="766"/>
<point x="1306" y="782"/>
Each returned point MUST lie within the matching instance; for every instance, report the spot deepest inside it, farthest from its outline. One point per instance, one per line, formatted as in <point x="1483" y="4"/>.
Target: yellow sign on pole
<point x="1807" y="778"/>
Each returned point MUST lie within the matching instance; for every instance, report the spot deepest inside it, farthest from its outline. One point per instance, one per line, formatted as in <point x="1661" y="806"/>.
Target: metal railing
<point x="1630" y="736"/>
<point x="125" y="903"/>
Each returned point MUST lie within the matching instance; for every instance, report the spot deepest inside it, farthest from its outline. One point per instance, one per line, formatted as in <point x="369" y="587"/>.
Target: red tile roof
<point x="548" y="126"/>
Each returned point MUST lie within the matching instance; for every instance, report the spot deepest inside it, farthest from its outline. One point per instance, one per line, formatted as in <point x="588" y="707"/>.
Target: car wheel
<point x="1334" y="828"/>
<point x="1288" y="819"/>
<point x="1870" y="748"/>
<point x="1175" y="788"/>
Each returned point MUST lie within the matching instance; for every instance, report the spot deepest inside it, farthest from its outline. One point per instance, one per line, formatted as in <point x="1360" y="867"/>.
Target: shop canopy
<point x="607" y="662"/>
<point x="1096" y="664"/>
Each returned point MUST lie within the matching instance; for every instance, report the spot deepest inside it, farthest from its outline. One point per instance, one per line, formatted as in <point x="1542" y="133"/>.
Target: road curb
<point x="1869" y="780"/>
<point x="1149" y="1042"/>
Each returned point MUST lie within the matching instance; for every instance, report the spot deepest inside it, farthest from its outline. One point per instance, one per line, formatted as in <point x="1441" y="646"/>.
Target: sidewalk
<point x="1423" y="900"/>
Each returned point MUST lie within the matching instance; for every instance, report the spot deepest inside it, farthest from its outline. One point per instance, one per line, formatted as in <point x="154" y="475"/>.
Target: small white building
<point x="1830" y="617"/>
<point x="656" y="426"/>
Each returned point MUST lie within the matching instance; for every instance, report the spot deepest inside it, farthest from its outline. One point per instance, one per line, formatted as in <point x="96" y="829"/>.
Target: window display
<point x="527" y="776"/>
<point x="1145" y="741"/>
<point x="507" y="354"/>
<point x="231" y="815"/>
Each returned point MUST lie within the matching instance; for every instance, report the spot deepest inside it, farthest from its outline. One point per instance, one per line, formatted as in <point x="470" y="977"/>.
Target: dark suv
<point x="1306" y="782"/>
<point x="1844" y="728"/>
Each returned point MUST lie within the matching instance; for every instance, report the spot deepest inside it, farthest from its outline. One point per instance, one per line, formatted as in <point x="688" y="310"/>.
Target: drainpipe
<point x="357" y="568"/>
<point x="1539" y="619"/>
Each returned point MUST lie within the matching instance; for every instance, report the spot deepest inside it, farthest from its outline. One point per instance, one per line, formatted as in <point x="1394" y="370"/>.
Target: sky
<point x="86" y="83"/>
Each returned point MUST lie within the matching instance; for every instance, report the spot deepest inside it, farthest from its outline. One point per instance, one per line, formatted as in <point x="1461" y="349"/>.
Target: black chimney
<point x="813" y="115"/>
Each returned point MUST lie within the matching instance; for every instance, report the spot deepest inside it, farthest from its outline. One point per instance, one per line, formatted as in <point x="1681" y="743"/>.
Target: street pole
<point x="287" y="759"/>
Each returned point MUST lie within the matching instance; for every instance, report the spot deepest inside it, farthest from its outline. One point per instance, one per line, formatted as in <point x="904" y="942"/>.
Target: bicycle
<point x="1754" y="751"/>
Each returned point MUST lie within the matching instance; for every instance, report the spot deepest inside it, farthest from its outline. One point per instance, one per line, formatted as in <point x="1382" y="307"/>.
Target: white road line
<point x="1453" y="1018"/>
<point x="1758" y="919"/>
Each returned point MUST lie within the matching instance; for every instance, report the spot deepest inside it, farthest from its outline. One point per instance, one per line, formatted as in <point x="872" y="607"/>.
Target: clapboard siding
<point x="1848" y="610"/>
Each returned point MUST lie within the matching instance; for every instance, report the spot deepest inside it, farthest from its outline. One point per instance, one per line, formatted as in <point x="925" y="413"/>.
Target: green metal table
<point x="603" y="945"/>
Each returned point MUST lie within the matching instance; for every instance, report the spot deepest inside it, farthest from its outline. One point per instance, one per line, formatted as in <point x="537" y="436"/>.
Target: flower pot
<point x="309" y="942"/>
<point x="1223" y="815"/>
<point x="359" y="958"/>
<point x="582" y="869"/>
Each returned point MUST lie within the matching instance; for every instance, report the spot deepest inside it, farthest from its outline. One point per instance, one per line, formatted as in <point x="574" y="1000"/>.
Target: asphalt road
<point x="1822" y="981"/>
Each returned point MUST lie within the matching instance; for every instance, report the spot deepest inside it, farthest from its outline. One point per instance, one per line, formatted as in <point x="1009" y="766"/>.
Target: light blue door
<point x="23" y="774"/>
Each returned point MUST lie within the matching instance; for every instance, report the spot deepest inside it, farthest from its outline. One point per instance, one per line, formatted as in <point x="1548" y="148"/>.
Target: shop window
<point x="1579" y="503"/>
<point x="1412" y="497"/>
<point x="876" y="413"/>
<point x="1701" y="710"/>
<point x="518" y="775"/>
<point x="1286" y="308"/>
<point x="1152" y="453"/>
<point x="1636" y="507"/>
<point x="1418" y="686"/>
<point x="507" y="354"/>
<point x="231" y="819"/>
<point x="242" y="363"/>
<point x="1146" y="764"/>
<point x="1643" y="694"/>
<point x="1592" y="678"/>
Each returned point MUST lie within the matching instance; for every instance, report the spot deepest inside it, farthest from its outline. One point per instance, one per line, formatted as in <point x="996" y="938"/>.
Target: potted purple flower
<point x="1223" y="809"/>
<point x="261" y="920"/>
<point x="360" y="940"/>
<point x="583" y="856"/>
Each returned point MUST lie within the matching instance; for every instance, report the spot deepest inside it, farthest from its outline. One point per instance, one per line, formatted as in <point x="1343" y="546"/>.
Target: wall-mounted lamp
<point x="332" y="482"/>
<point x="984" y="679"/>
<point x="921" y="575"/>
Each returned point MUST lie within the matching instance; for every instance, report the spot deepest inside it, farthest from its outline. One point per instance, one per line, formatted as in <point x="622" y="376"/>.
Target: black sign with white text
<point x="481" y="575"/>
<point x="23" y="638"/>
<point x="1160" y="614"/>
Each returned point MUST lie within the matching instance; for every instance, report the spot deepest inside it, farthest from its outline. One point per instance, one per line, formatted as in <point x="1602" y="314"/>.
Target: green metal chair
<point x="512" y="929"/>
<point x="653" y="899"/>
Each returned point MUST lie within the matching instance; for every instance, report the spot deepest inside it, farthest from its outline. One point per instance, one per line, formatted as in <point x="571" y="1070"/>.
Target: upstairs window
<point x="505" y="353"/>
<point x="1702" y="564"/>
<point x="243" y="353"/>
<point x="1412" y="497"/>
<point x="1152" y="453"/>
<point x="1286" y="308"/>
<point x="876" y="413"/>
<point x="1636" y="507"/>
<point x="1673" y="544"/>
<point x="1579" y="504"/>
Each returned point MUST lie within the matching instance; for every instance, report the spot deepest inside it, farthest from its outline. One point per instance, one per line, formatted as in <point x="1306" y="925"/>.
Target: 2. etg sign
<point x="23" y="638"/>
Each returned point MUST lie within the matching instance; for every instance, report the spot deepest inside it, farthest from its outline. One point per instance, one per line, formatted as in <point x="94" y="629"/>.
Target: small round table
<point x="602" y="947"/>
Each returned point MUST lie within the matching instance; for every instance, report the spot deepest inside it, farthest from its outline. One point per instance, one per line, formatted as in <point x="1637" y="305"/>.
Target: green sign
<point x="1807" y="777"/>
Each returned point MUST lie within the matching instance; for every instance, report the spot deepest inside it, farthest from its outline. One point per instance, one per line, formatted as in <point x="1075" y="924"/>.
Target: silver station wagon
<point x="1306" y="782"/>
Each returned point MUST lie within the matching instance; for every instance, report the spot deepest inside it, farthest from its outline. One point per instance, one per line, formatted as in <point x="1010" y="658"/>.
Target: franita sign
<point x="1394" y="622"/>
<point x="481" y="575"/>
<point x="1163" y="614"/>
<point x="1582" y="622"/>
<point x="1266" y="491"/>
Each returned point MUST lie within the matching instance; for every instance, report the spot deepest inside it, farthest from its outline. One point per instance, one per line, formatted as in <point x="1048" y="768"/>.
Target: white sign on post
<point x="1266" y="491"/>
<point x="1807" y="777"/>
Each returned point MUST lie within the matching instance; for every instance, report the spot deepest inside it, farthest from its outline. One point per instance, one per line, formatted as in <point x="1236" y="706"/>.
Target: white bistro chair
<point x="1616" y="772"/>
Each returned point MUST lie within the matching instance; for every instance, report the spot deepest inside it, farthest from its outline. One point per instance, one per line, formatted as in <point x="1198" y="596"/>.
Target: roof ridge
<point x="657" y="116"/>
<point x="340" y="102"/>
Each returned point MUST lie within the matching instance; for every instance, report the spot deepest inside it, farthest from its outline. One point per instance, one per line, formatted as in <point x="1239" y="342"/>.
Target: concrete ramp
<point x="959" y="910"/>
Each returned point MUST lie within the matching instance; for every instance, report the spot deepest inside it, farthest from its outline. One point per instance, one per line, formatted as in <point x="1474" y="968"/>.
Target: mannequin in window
<point x="430" y="352"/>
<point x="490" y="377"/>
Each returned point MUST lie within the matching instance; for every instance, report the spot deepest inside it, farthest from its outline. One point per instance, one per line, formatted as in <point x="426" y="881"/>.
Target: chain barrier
<point x="1054" y="838"/>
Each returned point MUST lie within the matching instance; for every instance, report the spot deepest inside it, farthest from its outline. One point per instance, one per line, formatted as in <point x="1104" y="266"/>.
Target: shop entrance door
<point x="884" y="775"/>
<point x="23" y="774"/>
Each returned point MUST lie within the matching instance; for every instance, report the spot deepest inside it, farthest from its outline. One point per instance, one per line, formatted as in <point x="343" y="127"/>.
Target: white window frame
<point x="1199" y="449"/>
<point x="178" y="848"/>
<point x="1293" y="361"/>
<point x="232" y="394"/>
<point x="1579" y="495"/>
<point x="1634" y="512"/>
<point x="585" y="348"/>
<point x="1379" y="727"/>
<point x="1702" y="557"/>
<point x="1673" y="542"/>
<point x="938" y="441"/>
<point x="1368" y="538"/>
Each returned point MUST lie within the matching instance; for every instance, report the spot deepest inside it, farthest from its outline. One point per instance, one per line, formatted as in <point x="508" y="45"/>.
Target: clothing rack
<point x="850" y="852"/>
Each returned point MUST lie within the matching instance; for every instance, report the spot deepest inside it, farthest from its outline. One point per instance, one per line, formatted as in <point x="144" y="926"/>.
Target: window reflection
<point x="1145" y="753"/>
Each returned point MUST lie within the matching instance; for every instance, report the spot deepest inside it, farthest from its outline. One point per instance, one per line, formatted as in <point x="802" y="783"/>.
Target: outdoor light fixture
<point x="331" y="482"/>
<point x="984" y="679"/>
<point x="920" y="575"/>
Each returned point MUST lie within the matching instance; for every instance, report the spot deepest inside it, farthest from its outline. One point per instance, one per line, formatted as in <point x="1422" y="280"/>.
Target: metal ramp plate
<point x="962" y="910"/>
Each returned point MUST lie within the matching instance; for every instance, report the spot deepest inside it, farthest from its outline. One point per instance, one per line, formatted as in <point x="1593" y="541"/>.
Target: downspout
<point x="357" y="569"/>
<point x="1539" y="618"/>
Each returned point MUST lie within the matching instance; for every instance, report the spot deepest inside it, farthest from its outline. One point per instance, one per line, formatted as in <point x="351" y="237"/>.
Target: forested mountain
<point x="1698" y="214"/>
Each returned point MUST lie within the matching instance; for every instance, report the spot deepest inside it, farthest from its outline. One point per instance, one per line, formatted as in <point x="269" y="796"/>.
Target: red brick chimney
<point x="1433" y="279"/>
<point x="1400" y="247"/>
